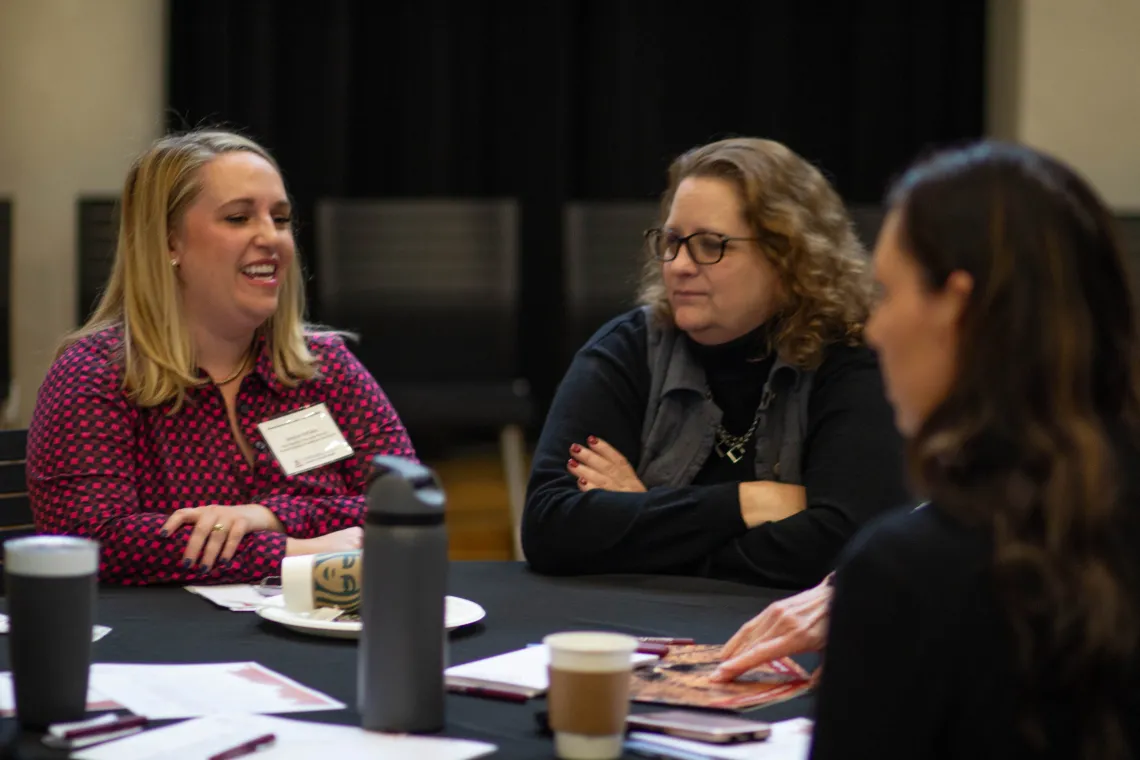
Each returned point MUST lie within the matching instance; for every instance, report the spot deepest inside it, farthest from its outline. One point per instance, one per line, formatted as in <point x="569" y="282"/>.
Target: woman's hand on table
<point x="600" y="465"/>
<point x="218" y="530"/>
<point x="338" y="541"/>
<point x="790" y="626"/>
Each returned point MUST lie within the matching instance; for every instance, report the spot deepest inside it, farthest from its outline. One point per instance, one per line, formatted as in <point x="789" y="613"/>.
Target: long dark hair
<point x="1029" y="440"/>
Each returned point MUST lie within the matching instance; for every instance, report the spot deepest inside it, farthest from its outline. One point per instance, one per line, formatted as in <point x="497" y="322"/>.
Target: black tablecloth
<point x="171" y="625"/>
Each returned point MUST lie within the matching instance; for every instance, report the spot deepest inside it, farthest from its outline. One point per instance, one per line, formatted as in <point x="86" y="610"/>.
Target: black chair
<point x="604" y="254"/>
<point x="431" y="288"/>
<point x="868" y="220"/>
<point x="5" y="299"/>
<point x="15" y="508"/>
<point x="98" y="233"/>
<point x="1128" y="233"/>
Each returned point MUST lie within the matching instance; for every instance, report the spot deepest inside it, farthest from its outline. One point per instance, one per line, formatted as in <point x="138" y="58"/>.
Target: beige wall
<point x="1065" y="77"/>
<point x="81" y="82"/>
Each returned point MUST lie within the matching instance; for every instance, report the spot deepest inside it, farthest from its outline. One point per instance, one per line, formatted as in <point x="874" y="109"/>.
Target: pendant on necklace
<point x="734" y="453"/>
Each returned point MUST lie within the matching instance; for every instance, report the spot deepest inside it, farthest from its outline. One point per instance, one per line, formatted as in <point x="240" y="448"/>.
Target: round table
<point x="171" y="625"/>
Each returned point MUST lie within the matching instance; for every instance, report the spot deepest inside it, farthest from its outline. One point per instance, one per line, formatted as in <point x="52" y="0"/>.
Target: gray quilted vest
<point x="681" y="417"/>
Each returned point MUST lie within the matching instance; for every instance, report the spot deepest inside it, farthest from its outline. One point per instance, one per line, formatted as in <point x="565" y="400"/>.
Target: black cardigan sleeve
<point x="665" y="530"/>
<point x="911" y="626"/>
<point x="873" y="666"/>
<point x="852" y="471"/>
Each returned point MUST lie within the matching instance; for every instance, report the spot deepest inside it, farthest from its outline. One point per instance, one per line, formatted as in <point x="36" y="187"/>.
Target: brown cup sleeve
<point x="594" y="704"/>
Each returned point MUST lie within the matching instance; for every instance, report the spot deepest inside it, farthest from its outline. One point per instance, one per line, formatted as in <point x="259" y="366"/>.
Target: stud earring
<point x="174" y="263"/>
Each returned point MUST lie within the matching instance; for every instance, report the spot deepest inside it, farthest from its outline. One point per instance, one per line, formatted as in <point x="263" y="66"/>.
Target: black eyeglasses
<point x="704" y="247"/>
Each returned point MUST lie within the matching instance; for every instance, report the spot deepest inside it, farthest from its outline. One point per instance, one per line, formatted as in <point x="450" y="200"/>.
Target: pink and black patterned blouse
<point x="101" y="467"/>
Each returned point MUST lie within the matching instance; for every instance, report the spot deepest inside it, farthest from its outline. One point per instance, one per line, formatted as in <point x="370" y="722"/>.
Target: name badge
<point x="305" y="439"/>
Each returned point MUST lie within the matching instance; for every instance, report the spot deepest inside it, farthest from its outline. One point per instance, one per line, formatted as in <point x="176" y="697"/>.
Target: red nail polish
<point x="572" y="463"/>
<point x="575" y="449"/>
<point x="593" y="440"/>
<point x="583" y="481"/>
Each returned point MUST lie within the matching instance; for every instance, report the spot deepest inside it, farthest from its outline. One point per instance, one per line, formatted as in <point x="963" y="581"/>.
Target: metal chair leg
<point x="512" y="443"/>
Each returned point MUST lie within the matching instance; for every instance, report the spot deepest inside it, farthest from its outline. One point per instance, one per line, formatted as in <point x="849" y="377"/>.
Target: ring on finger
<point x="218" y="527"/>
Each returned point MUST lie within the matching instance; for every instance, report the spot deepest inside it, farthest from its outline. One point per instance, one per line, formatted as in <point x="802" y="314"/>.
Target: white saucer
<point x="459" y="612"/>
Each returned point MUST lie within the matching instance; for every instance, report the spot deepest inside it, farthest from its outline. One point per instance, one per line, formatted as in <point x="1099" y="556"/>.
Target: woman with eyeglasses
<point x="735" y="425"/>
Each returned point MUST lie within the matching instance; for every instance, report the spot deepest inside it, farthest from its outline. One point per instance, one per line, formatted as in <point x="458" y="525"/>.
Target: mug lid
<point x="51" y="556"/>
<point x="404" y="492"/>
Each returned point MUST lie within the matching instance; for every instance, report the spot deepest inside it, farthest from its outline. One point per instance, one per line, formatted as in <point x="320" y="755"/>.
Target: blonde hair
<point x="142" y="296"/>
<point x="805" y="233"/>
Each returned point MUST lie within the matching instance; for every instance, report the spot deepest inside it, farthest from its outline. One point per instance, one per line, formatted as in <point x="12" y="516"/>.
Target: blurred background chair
<point x="603" y="254"/>
<point x="868" y="219"/>
<point x="98" y="219"/>
<point x="5" y="300"/>
<point x="15" y="508"/>
<point x="1128" y="231"/>
<point x="431" y="288"/>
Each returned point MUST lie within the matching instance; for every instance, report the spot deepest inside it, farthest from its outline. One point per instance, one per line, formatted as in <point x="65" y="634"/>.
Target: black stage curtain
<point x="549" y="102"/>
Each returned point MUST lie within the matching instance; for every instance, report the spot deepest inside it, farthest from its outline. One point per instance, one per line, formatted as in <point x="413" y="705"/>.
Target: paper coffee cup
<point x="321" y="580"/>
<point x="589" y="693"/>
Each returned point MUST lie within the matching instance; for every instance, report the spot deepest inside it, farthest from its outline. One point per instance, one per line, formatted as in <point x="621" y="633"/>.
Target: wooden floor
<point x="478" y="516"/>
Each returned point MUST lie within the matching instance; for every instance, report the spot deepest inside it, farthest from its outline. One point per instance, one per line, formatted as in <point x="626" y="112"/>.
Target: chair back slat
<point x="5" y="297"/>
<point x="603" y="258"/>
<point x="98" y="235"/>
<point x="430" y="285"/>
<point x="15" y="507"/>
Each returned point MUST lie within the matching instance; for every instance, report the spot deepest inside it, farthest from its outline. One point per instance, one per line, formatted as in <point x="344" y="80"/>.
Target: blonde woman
<point x="735" y="425"/>
<point x="147" y="434"/>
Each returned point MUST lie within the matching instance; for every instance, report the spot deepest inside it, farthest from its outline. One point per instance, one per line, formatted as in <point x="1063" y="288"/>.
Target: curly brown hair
<point x="1035" y="441"/>
<point x="805" y="232"/>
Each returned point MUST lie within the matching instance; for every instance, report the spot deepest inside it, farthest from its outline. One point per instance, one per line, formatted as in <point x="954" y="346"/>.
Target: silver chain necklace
<point x="734" y="446"/>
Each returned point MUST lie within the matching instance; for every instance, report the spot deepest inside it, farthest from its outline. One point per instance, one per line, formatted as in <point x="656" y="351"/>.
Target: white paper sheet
<point x="236" y="597"/>
<point x="96" y="700"/>
<point x="295" y="740"/>
<point x="524" y="670"/>
<point x="97" y="632"/>
<point x="191" y="691"/>
<point x="790" y="740"/>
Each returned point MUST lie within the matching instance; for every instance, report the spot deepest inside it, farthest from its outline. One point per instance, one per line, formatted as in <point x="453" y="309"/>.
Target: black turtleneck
<point x="736" y="372"/>
<point x="851" y="466"/>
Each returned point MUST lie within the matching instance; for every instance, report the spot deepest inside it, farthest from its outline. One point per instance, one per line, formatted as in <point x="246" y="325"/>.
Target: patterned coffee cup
<point x="322" y="580"/>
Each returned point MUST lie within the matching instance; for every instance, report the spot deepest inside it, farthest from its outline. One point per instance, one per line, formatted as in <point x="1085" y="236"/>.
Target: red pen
<point x="246" y="748"/>
<point x="106" y="728"/>
<point x="479" y="691"/>
<point x="652" y="648"/>
<point x="665" y="640"/>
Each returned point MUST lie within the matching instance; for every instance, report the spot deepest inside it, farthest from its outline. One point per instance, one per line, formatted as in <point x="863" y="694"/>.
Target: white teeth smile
<point x="260" y="270"/>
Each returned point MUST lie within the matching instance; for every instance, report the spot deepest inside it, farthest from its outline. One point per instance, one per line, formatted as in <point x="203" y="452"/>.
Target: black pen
<point x="122" y="724"/>
<point x="246" y="748"/>
<point x="480" y="691"/>
<point x="667" y="640"/>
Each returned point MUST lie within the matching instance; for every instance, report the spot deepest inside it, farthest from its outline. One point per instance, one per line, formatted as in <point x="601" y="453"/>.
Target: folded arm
<point x="566" y="530"/>
<point x="852" y="471"/>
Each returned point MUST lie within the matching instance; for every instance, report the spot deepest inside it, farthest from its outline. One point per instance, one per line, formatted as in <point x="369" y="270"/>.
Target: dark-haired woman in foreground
<point x="1000" y="620"/>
